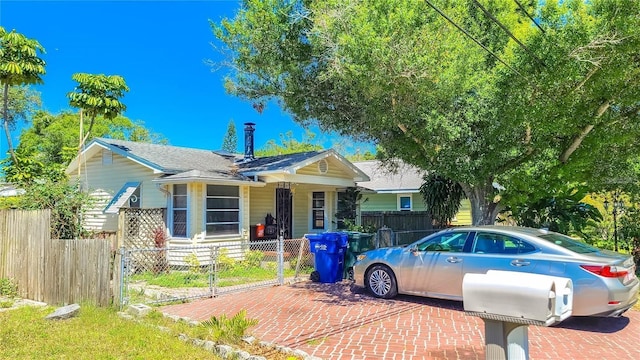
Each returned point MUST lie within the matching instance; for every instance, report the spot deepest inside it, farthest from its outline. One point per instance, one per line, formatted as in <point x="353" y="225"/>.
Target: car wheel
<point x="381" y="282"/>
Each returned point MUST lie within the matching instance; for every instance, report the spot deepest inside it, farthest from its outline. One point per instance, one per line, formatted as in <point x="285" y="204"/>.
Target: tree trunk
<point x="484" y="205"/>
<point x="5" y="123"/>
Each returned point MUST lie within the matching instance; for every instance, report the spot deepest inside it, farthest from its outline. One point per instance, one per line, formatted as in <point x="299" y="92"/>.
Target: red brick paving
<point x="334" y="321"/>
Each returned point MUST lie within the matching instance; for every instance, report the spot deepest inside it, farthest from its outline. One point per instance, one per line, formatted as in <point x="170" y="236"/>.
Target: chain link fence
<point x="168" y="274"/>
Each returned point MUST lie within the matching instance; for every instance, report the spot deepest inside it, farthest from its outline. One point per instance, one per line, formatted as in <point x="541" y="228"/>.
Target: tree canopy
<point x="51" y="142"/>
<point x="19" y="65"/>
<point x="506" y="99"/>
<point x="230" y="140"/>
<point x="289" y="145"/>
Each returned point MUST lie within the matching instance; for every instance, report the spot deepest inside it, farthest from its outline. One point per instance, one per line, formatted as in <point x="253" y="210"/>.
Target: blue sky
<point x="160" y="48"/>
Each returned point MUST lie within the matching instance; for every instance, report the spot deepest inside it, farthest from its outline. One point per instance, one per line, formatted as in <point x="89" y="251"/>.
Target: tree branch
<point x="564" y="157"/>
<point x="522" y="158"/>
<point x="404" y="130"/>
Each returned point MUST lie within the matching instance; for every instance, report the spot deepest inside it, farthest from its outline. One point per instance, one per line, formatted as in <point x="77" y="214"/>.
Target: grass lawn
<point x="99" y="333"/>
<point x="94" y="334"/>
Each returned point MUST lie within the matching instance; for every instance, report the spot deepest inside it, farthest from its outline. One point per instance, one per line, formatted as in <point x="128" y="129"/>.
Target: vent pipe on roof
<point x="249" y="128"/>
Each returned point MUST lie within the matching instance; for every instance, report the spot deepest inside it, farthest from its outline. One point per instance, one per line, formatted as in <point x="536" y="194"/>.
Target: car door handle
<point x="453" y="259"/>
<point x="520" y="263"/>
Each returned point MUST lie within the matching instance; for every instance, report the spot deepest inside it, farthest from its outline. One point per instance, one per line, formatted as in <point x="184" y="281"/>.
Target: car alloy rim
<point x="380" y="282"/>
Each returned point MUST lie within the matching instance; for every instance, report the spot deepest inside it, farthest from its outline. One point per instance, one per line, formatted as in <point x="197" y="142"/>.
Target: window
<point x="500" y="244"/>
<point x="450" y="241"/>
<point x="179" y="210"/>
<point x="317" y="211"/>
<point x="404" y="203"/>
<point x="223" y="210"/>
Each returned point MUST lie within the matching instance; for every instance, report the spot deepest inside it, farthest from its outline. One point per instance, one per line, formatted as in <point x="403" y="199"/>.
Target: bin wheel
<point x="315" y="276"/>
<point x="381" y="282"/>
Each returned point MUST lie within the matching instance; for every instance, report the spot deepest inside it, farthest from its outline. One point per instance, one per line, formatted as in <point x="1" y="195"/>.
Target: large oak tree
<point x="507" y="98"/>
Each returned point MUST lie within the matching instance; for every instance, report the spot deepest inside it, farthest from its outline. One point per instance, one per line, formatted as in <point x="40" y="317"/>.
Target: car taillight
<point x="606" y="270"/>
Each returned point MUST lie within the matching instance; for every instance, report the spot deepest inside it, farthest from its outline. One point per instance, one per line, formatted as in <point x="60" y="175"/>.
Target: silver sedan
<point x="604" y="282"/>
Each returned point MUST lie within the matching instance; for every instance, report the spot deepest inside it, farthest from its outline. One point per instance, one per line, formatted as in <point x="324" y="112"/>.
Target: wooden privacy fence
<point x="53" y="271"/>
<point x="397" y="220"/>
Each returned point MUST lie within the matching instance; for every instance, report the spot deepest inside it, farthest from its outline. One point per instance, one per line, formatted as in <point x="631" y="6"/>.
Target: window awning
<point x="121" y="197"/>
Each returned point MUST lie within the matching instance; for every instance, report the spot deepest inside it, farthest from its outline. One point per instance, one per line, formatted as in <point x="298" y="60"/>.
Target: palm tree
<point x="19" y="65"/>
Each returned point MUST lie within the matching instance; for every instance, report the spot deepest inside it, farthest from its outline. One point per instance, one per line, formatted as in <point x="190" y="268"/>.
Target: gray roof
<point x="407" y="178"/>
<point x="170" y="159"/>
<point x="179" y="163"/>
<point x="278" y="162"/>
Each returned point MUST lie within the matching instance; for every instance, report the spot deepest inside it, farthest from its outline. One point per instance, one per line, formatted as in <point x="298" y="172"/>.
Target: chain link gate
<point x="161" y="275"/>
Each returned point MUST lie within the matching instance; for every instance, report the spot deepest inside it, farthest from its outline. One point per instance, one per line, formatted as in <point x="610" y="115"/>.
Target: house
<point x="398" y="191"/>
<point x="213" y="196"/>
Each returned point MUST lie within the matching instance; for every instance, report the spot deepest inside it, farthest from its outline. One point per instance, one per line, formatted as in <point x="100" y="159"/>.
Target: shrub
<point x="8" y="288"/>
<point x="229" y="329"/>
<point x="253" y="258"/>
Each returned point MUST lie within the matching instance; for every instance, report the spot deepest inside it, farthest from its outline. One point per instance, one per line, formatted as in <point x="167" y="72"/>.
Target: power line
<point x="535" y="86"/>
<point x="472" y="38"/>
<point x="529" y="16"/>
<point x="504" y="28"/>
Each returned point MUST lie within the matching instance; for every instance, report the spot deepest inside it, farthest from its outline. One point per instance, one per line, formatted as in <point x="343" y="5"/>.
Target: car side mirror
<point x="414" y="250"/>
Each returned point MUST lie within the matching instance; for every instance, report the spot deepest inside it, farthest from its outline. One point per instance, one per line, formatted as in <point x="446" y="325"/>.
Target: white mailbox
<point x="509" y="301"/>
<point x="518" y="297"/>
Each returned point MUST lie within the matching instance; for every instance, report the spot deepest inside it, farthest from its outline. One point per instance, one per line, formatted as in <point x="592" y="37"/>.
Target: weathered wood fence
<point x="53" y="271"/>
<point x="398" y="220"/>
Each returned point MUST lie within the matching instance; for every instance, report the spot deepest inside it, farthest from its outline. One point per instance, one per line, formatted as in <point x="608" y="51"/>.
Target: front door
<point x="284" y="210"/>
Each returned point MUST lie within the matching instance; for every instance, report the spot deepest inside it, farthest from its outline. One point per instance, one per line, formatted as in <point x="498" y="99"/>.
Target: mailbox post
<point x="509" y="302"/>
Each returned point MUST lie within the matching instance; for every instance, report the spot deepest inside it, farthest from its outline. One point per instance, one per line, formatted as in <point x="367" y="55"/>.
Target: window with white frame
<point x="179" y="205"/>
<point x="223" y="210"/>
<point x="404" y="202"/>
<point x="317" y="210"/>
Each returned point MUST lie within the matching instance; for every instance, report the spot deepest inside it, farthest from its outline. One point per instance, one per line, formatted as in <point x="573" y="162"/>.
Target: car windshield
<point x="568" y="243"/>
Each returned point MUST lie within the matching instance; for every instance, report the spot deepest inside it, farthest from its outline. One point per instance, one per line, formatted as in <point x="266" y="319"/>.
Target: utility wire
<point x="504" y="28"/>
<point x="529" y="16"/>
<point x="535" y="86"/>
<point x="472" y="38"/>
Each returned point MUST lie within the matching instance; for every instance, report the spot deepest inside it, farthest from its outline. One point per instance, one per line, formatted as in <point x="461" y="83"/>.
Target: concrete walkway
<point x="334" y="321"/>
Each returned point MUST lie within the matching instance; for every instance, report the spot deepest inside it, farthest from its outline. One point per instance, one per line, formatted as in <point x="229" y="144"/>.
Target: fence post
<point x="281" y="260"/>
<point x="215" y="270"/>
<point x="211" y="260"/>
<point x="123" y="274"/>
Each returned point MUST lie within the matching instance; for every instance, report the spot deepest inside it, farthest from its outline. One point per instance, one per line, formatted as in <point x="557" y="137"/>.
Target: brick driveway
<point x="334" y="321"/>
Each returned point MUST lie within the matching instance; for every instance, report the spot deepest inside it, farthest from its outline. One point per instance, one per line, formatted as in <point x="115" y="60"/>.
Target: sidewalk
<point x="332" y="321"/>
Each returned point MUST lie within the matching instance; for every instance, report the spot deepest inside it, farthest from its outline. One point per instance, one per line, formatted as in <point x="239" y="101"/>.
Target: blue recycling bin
<point x="328" y="249"/>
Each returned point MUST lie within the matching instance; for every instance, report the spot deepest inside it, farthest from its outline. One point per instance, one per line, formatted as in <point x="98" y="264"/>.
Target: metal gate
<point x="162" y="275"/>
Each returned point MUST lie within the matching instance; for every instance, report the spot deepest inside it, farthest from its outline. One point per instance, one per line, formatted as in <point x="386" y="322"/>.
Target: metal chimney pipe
<point x="249" y="129"/>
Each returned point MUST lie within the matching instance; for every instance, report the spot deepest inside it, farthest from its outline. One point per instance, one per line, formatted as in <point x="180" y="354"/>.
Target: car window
<point x="450" y="241"/>
<point x="568" y="243"/>
<point x="487" y="243"/>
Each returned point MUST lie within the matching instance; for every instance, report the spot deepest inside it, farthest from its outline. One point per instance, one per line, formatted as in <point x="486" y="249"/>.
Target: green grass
<point x="94" y="334"/>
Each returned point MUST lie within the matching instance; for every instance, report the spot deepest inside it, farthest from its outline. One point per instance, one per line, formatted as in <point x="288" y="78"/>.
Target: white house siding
<point x="106" y="180"/>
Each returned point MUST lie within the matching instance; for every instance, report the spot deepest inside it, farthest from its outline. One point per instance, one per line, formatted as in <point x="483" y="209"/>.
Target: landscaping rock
<point x="209" y="345"/>
<point x="240" y="354"/>
<point x="224" y="350"/>
<point x="249" y="339"/>
<point x="64" y="312"/>
<point x="139" y="310"/>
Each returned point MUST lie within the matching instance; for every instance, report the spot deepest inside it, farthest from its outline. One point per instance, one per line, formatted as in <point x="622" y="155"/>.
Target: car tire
<point x="381" y="282"/>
